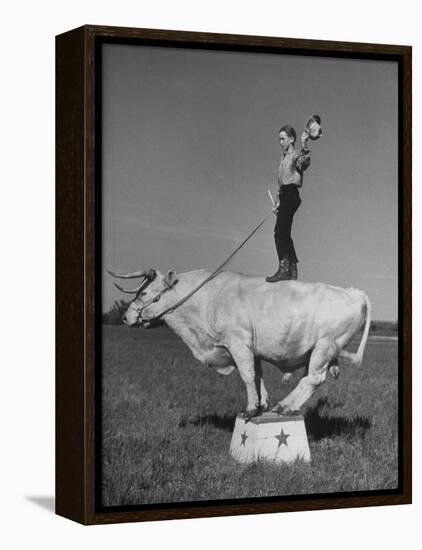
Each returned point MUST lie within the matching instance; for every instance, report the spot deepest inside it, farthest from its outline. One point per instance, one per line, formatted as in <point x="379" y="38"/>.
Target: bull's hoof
<point x="334" y="371"/>
<point x="247" y="415"/>
<point x="286" y="377"/>
<point x="264" y="407"/>
<point x="282" y="410"/>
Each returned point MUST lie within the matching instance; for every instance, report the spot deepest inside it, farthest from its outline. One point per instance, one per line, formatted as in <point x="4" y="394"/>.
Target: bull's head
<point x="152" y="295"/>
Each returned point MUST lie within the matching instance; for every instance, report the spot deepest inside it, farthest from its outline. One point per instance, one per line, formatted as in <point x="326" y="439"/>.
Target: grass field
<point x="167" y="424"/>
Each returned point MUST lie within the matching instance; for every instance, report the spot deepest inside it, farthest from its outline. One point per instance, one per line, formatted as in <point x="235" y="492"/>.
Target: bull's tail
<point x="355" y="359"/>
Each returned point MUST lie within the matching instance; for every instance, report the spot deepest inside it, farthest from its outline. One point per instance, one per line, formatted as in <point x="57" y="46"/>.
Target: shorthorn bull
<point x="235" y="321"/>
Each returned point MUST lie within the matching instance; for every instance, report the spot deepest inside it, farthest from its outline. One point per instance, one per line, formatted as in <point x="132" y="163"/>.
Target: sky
<point x="190" y="147"/>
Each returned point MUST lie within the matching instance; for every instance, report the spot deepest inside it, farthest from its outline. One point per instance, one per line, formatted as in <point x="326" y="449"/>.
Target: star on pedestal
<point x="282" y="438"/>
<point x="244" y="438"/>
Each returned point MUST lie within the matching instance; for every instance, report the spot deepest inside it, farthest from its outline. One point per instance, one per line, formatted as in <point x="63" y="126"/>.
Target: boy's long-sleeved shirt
<point x="292" y="165"/>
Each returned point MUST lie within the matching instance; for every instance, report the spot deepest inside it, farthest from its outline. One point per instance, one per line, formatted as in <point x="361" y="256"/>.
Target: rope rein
<point x="205" y="281"/>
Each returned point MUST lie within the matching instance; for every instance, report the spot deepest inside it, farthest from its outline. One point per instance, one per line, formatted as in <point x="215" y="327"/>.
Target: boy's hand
<point x="275" y="205"/>
<point x="304" y="139"/>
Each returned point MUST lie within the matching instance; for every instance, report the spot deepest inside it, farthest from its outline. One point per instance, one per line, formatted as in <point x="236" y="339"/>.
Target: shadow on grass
<point x="225" y="422"/>
<point x="320" y="426"/>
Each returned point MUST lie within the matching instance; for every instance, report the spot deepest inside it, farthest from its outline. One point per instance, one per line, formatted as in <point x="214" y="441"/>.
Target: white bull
<point x="236" y="321"/>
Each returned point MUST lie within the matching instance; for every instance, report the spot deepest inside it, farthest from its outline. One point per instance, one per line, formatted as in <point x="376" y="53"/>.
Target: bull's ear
<point x="170" y="278"/>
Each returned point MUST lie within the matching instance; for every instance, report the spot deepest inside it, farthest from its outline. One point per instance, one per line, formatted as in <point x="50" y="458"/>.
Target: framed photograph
<point x="233" y="274"/>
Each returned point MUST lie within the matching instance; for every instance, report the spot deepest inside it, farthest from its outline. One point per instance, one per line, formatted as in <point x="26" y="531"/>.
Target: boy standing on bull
<point x="290" y="178"/>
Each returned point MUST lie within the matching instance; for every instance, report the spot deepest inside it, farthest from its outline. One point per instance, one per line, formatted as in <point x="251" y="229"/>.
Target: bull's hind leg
<point x="261" y="389"/>
<point x="316" y="373"/>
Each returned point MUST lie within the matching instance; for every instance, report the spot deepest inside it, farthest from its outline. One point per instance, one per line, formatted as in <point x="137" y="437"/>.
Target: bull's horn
<point x="127" y="290"/>
<point x="148" y="273"/>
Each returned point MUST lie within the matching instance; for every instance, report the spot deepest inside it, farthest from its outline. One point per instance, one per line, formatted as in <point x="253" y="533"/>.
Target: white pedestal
<point x="270" y="437"/>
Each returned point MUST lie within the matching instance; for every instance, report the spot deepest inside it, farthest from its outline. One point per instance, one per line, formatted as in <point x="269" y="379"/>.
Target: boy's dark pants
<point x="289" y="203"/>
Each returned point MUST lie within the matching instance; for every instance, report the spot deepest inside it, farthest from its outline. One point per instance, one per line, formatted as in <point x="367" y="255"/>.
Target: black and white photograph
<point x="250" y="303"/>
<point x="210" y="238"/>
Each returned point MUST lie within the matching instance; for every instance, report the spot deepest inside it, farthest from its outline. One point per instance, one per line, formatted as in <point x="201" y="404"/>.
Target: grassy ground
<point x="167" y="424"/>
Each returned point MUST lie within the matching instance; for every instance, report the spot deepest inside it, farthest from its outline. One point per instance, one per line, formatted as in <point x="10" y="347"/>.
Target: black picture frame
<point x="78" y="239"/>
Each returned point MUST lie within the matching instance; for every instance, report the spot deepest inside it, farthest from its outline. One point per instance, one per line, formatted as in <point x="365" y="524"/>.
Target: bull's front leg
<point x="264" y="400"/>
<point x="245" y="362"/>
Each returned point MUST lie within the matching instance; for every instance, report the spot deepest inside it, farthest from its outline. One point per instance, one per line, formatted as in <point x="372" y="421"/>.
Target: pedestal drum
<point x="270" y="437"/>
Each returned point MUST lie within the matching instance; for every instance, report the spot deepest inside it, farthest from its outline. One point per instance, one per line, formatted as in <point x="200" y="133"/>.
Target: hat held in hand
<point x="313" y="127"/>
